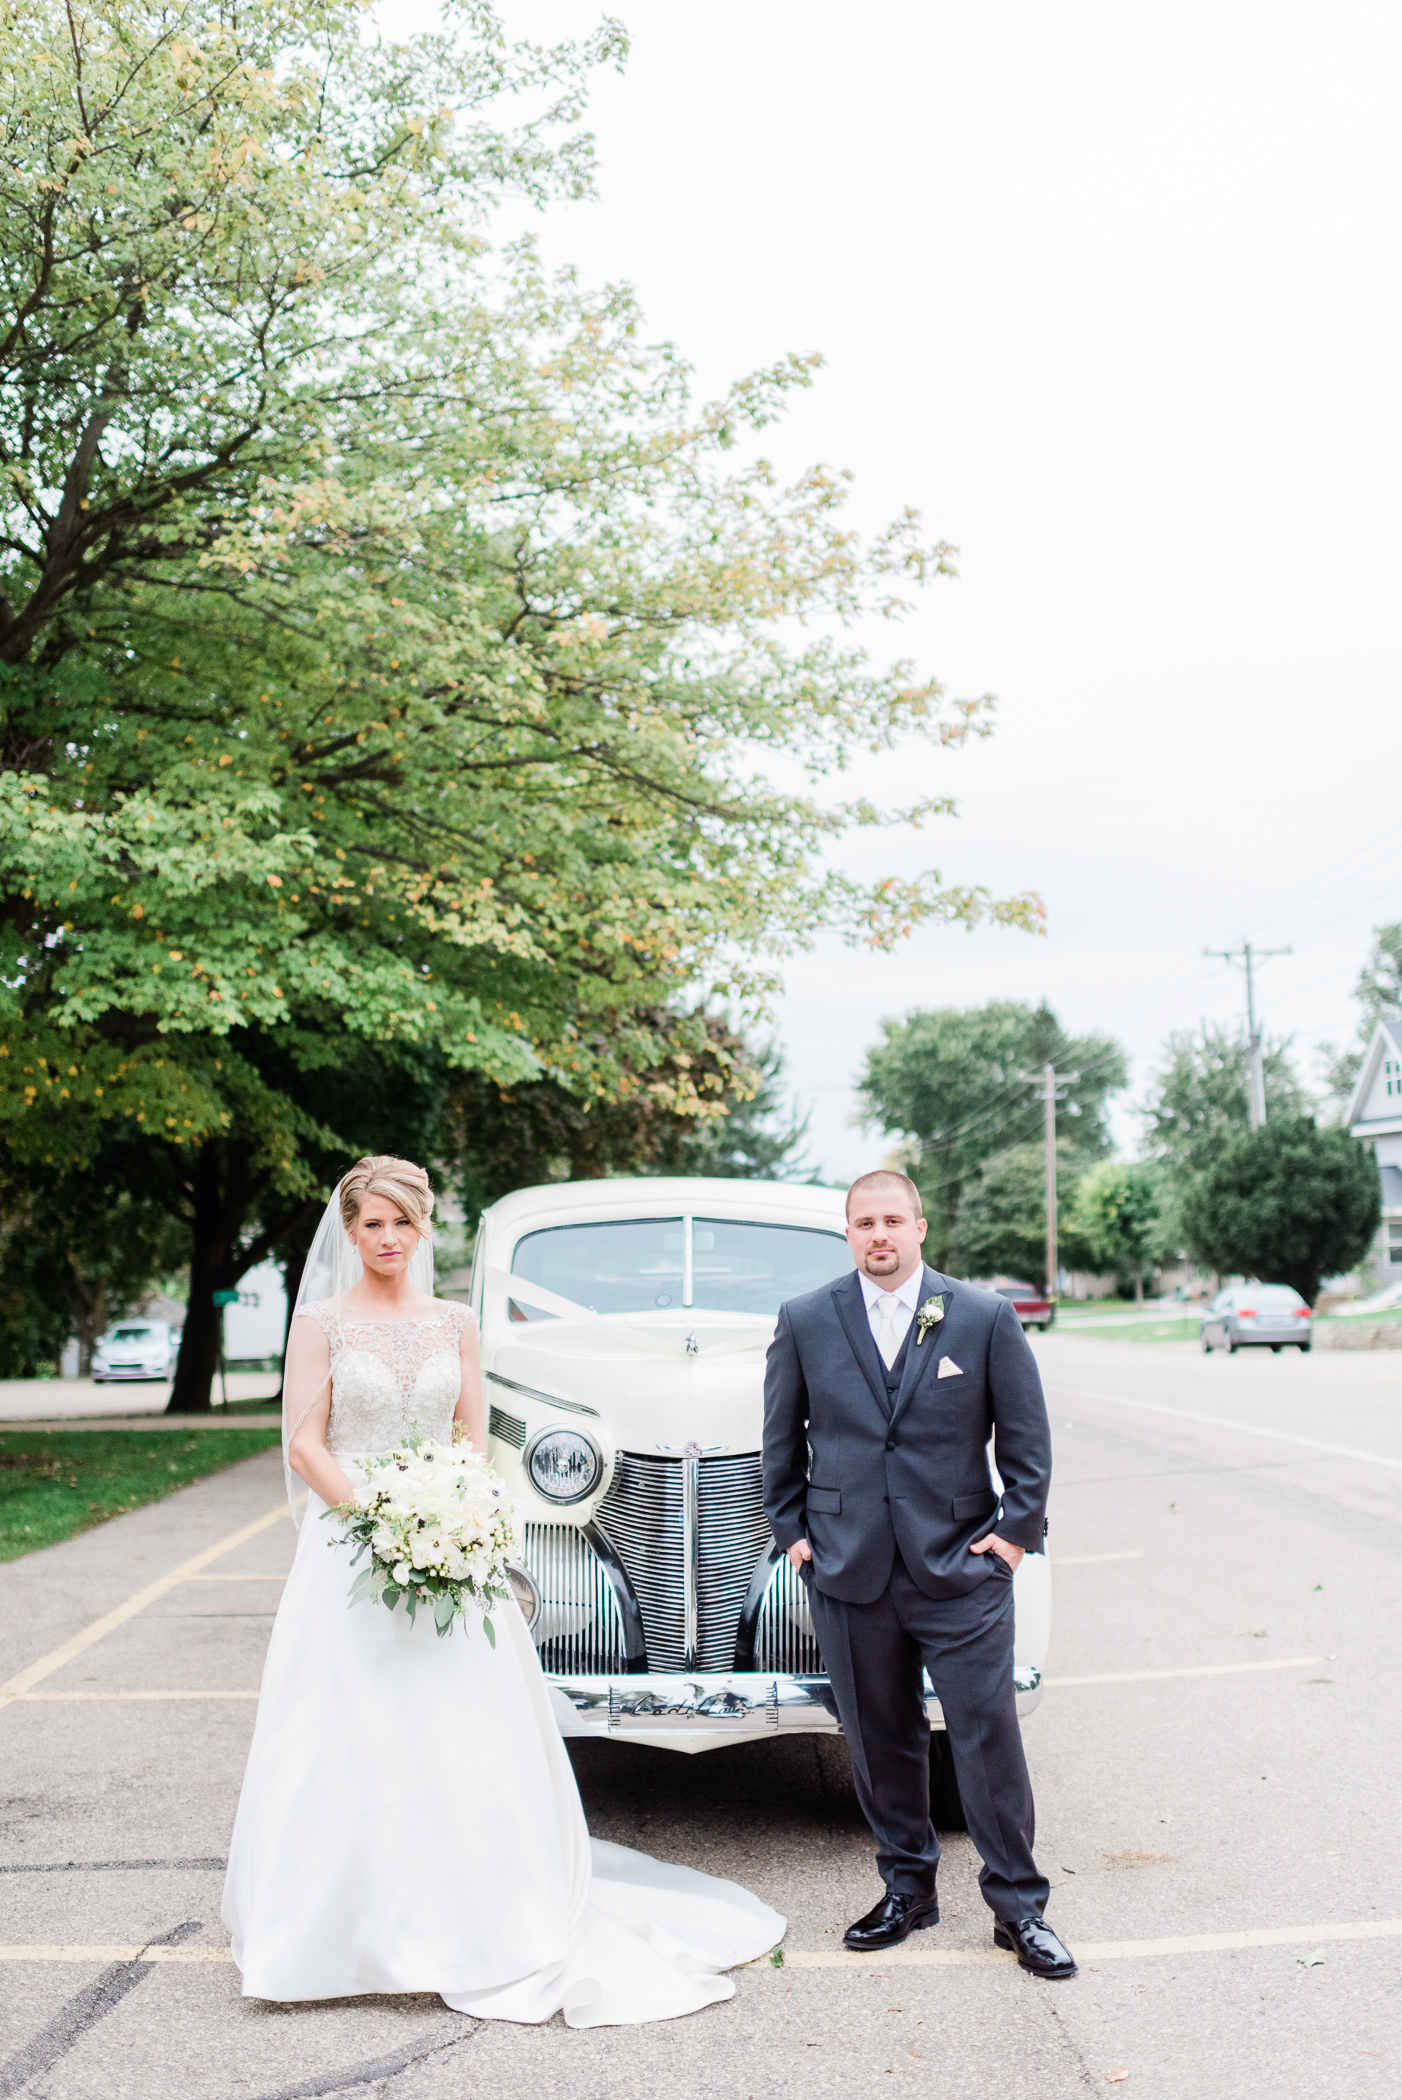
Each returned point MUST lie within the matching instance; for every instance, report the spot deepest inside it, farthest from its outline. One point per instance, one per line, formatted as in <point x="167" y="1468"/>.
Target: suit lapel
<point x="851" y="1310"/>
<point x="919" y="1360"/>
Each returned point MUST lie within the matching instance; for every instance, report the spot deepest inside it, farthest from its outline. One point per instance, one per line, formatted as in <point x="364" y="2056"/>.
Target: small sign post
<point x="221" y="1299"/>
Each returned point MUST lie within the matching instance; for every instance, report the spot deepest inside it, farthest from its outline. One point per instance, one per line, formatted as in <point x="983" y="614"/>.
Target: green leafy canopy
<point x="388" y="643"/>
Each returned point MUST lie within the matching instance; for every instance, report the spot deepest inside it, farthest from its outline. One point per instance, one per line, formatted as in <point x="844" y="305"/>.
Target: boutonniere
<point x="929" y="1315"/>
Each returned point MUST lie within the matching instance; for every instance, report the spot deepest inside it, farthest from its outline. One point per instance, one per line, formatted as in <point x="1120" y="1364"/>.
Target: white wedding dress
<point x="409" y="1819"/>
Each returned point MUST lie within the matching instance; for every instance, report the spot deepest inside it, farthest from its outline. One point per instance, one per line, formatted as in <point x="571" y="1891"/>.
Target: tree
<point x="1119" y="1217"/>
<point x="512" y="1136"/>
<point x="94" y="1242"/>
<point x="761" y="1136"/>
<point x="947" y="1082"/>
<point x="1379" y="995"/>
<point x="1000" y="1226"/>
<point x="386" y="640"/>
<point x="33" y="1326"/>
<point x="1199" y="1100"/>
<point x="1288" y="1203"/>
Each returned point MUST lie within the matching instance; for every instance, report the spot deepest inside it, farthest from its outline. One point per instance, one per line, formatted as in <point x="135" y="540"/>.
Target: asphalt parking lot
<point x="1215" y="1761"/>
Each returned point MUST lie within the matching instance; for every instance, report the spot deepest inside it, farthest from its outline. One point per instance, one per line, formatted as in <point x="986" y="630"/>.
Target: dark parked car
<point x="1032" y="1307"/>
<point x="1256" y="1316"/>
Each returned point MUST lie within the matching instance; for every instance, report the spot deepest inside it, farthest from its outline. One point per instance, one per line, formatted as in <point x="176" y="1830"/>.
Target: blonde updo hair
<point x="399" y="1180"/>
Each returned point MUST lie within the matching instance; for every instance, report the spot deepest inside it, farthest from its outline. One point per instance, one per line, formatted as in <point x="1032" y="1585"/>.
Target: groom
<point x="880" y="1394"/>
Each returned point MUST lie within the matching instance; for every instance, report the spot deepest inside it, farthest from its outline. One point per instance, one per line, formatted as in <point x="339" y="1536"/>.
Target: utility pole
<point x="1256" y="1071"/>
<point x="1053" y="1086"/>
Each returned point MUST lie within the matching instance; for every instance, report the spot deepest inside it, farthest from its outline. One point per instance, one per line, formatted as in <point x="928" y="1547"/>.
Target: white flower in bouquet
<point x="439" y="1528"/>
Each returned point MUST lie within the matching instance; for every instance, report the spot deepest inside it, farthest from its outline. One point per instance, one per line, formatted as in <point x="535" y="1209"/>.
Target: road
<point x="1215" y="1762"/>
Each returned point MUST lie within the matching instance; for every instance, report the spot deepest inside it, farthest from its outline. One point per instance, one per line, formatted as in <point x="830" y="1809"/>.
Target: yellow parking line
<point x="1289" y="1662"/>
<point x="1103" y="1950"/>
<point x="63" y="1698"/>
<point x="110" y="1621"/>
<point x="897" y="1958"/>
<point x="105" y="1954"/>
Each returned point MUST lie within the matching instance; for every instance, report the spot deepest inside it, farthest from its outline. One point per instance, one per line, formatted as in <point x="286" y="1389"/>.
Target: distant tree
<point x="946" y="1081"/>
<point x="1119" y="1215"/>
<point x="1289" y="1203"/>
<point x="1199" y="1101"/>
<point x="34" y="1325"/>
<point x="1000" y="1226"/>
<point x="89" y="1245"/>
<point x="761" y="1137"/>
<point x="1379" y="994"/>
<point x="670" y="1114"/>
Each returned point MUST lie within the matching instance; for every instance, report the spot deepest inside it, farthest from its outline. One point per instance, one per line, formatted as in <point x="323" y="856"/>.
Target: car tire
<point x="1231" y="1345"/>
<point x="946" y="1808"/>
<point x="1304" y="1347"/>
<point x="1276" y="1348"/>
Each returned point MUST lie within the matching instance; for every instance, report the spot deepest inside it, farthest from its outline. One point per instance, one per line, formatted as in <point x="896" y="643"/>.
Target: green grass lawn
<point x="56" y="1482"/>
<point x="1175" y="1327"/>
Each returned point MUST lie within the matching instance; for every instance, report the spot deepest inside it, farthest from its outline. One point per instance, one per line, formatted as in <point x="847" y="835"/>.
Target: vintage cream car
<point x="624" y="1329"/>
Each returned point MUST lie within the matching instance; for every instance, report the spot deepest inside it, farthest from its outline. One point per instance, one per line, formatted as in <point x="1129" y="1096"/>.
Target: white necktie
<point x="888" y="1341"/>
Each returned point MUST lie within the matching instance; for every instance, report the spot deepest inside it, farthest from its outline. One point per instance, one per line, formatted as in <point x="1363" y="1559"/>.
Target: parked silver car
<point x="135" y="1349"/>
<point x="1257" y="1316"/>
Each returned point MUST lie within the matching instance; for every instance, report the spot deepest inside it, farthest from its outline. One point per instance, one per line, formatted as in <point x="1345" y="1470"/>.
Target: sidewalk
<point x="51" y="1400"/>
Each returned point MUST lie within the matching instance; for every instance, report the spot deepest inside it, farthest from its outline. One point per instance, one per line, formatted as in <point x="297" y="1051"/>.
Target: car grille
<point x="510" y="1428"/>
<point x="644" y="1517"/>
<point x="784" y="1636"/>
<point x="580" y="1628"/>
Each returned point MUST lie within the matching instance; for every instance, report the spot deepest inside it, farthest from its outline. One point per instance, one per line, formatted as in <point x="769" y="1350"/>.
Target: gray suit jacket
<point x="914" y="1476"/>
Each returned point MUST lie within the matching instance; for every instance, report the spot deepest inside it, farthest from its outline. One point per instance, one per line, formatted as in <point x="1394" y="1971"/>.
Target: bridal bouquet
<point x="439" y="1527"/>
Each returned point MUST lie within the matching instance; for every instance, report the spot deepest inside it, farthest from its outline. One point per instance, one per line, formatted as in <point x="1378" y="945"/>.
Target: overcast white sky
<point x="1110" y="294"/>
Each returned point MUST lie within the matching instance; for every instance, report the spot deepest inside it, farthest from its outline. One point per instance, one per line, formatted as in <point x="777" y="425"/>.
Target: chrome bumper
<point x="742" y="1703"/>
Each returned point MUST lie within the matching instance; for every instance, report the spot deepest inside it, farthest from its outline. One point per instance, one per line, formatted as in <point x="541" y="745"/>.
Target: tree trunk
<point x="223" y="1192"/>
<point x="87" y="1308"/>
<point x="1139" y="1287"/>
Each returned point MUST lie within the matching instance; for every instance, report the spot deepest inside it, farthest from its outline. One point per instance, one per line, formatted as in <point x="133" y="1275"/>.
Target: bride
<point x="409" y="1819"/>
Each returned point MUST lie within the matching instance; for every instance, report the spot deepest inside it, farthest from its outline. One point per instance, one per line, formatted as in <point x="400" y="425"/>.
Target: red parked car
<point x="1031" y="1306"/>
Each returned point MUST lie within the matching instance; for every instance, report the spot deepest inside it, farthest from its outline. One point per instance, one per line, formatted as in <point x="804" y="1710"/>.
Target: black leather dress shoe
<point x="893" y="1919"/>
<point x="1035" y="1945"/>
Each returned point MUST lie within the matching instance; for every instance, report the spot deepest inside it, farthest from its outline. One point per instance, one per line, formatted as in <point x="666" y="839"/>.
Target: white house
<point x="255" y="1326"/>
<point x="1375" y="1113"/>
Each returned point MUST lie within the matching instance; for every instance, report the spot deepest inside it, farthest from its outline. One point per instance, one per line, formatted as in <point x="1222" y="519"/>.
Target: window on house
<point x="1394" y="1245"/>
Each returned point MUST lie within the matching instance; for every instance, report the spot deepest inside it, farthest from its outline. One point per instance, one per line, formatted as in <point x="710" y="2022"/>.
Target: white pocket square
<point x="948" y="1368"/>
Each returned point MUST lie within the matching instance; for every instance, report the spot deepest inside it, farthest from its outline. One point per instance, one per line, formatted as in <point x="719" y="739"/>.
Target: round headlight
<point x="526" y="1592"/>
<point x="564" y="1465"/>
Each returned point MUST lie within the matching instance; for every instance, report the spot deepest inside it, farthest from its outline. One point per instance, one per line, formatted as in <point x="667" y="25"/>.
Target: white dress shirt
<point x="906" y="1297"/>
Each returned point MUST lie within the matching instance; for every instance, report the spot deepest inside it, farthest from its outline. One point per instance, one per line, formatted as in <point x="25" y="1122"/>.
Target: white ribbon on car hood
<point x="646" y="1341"/>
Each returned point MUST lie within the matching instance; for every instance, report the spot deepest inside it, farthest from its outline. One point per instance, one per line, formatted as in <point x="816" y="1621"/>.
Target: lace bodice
<point x="389" y="1375"/>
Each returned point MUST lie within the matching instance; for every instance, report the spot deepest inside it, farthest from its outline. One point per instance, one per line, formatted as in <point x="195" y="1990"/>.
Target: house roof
<point x="1369" y="1114"/>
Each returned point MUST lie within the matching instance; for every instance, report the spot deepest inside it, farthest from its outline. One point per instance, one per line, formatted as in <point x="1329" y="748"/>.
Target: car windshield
<point x="634" y="1265"/>
<point x="132" y="1334"/>
<point x="1271" y="1297"/>
<point x="739" y="1267"/>
<point x="640" y="1264"/>
<point x="1017" y="1290"/>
